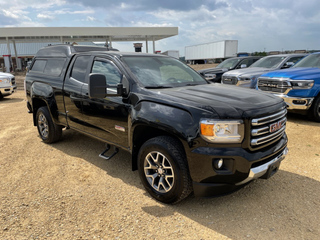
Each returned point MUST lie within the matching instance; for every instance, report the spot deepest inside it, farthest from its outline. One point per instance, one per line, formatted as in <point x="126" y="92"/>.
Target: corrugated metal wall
<point x="212" y="50"/>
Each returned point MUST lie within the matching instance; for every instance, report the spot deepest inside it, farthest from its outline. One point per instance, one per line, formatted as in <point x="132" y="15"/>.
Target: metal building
<point x="54" y="35"/>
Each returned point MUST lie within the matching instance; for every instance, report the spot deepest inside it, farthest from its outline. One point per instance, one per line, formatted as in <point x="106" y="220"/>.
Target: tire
<point x="163" y="170"/>
<point x="48" y="130"/>
<point x="314" y="111"/>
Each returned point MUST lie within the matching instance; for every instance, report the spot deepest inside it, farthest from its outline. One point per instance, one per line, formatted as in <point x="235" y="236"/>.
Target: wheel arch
<point x="36" y="104"/>
<point x="314" y="110"/>
<point x="143" y="133"/>
<point x="43" y="95"/>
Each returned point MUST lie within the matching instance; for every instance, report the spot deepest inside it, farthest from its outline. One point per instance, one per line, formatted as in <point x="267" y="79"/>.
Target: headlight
<point x="5" y="80"/>
<point x="209" y="76"/>
<point x="222" y="131"/>
<point x="302" y="84"/>
<point x="244" y="79"/>
<point x="249" y="78"/>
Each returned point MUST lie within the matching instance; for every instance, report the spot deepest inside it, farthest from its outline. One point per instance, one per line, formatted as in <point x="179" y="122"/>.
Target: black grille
<point x="13" y="81"/>
<point x="266" y="130"/>
<point x="273" y="85"/>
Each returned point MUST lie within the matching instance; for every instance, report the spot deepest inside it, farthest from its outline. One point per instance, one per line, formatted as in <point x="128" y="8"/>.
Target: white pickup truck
<point x="7" y="84"/>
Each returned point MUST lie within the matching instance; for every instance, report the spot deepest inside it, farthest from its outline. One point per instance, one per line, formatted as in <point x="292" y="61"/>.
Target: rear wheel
<point x="48" y="130"/>
<point x="314" y="111"/>
<point x="163" y="170"/>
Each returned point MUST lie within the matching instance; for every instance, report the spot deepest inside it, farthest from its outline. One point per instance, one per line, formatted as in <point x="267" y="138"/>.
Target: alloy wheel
<point x="43" y="125"/>
<point x="159" y="172"/>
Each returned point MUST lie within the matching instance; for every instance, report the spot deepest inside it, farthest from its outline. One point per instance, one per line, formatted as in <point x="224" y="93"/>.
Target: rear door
<point x="75" y="79"/>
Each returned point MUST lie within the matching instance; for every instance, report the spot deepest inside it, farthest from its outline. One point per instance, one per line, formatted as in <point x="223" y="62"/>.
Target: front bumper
<point x="262" y="171"/>
<point x="5" y="91"/>
<point x="296" y="103"/>
<point x="241" y="167"/>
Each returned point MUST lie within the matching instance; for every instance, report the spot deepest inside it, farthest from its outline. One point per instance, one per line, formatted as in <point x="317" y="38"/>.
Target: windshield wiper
<point x="158" y="87"/>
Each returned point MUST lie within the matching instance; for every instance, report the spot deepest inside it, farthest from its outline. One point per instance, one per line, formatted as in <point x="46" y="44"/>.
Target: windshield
<point x="268" y="62"/>
<point x="229" y="63"/>
<point x="312" y="60"/>
<point x="162" y="72"/>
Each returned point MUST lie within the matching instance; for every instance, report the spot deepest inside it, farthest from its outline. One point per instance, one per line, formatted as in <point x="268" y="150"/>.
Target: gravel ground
<point x="65" y="191"/>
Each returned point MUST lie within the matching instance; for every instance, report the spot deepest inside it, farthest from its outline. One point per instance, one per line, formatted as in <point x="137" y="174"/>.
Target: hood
<point x="248" y="71"/>
<point x="295" y="73"/>
<point x="224" y="101"/>
<point x="6" y="75"/>
<point x="213" y="70"/>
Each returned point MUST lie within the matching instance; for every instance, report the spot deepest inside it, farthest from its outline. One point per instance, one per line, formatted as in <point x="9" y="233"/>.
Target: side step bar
<point x="116" y="150"/>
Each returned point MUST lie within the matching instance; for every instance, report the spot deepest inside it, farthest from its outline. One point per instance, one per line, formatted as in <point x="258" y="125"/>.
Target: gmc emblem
<point x="275" y="126"/>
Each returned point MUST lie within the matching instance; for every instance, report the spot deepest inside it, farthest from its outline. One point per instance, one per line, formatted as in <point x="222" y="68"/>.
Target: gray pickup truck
<point x="248" y="77"/>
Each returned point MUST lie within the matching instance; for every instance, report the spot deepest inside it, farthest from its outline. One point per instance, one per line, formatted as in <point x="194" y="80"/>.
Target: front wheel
<point x="48" y="130"/>
<point x="314" y="111"/>
<point x="163" y="170"/>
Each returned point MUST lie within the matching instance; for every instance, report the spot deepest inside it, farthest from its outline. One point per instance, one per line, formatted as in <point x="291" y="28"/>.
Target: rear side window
<point x="39" y="65"/>
<point x="52" y="67"/>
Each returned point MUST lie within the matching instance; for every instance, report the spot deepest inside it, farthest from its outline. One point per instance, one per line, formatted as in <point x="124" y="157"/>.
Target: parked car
<point x="7" y="84"/>
<point x="299" y="86"/>
<point x="214" y="74"/>
<point x="248" y="77"/>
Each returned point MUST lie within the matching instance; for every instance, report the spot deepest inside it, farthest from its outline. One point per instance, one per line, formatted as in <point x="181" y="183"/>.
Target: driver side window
<point x="110" y="71"/>
<point x="244" y="62"/>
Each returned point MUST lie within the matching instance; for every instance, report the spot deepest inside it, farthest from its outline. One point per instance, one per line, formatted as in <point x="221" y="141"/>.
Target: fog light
<point x="299" y="102"/>
<point x="218" y="163"/>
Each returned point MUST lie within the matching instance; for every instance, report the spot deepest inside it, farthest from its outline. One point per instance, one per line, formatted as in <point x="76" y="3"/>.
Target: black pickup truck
<point x="185" y="134"/>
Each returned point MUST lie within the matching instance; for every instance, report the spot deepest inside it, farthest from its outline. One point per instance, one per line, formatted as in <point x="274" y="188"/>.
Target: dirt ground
<point x="65" y="191"/>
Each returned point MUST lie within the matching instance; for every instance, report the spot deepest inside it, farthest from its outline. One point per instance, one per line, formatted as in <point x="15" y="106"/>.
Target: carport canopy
<point x="85" y="34"/>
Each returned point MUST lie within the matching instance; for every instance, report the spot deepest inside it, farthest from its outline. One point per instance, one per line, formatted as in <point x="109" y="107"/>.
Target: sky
<point x="258" y="25"/>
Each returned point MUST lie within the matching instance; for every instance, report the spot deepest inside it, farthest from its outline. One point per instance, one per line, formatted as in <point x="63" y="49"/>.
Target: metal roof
<point x="29" y="49"/>
<point x="85" y="34"/>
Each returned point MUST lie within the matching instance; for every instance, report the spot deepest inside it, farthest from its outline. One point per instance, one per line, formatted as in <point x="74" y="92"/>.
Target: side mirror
<point x="125" y="85"/>
<point x="288" y="64"/>
<point x="243" y="65"/>
<point x="97" y="86"/>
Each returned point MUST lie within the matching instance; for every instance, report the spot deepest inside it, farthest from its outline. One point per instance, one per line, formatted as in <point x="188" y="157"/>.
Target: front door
<point x="106" y="118"/>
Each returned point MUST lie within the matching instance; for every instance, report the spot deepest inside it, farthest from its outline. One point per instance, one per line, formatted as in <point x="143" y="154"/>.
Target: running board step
<point x="116" y="150"/>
